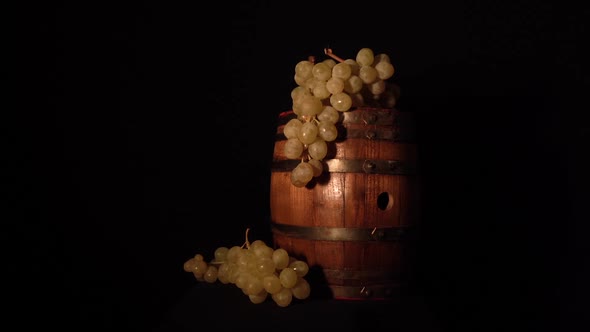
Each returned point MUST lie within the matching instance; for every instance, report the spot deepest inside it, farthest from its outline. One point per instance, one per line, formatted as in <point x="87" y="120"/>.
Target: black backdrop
<point x="151" y="127"/>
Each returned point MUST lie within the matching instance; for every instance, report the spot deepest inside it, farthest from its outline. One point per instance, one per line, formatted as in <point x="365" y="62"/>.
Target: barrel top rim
<point x="290" y="112"/>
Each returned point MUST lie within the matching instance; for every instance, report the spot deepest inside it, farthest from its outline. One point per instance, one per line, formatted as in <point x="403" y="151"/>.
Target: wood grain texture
<point x="351" y="200"/>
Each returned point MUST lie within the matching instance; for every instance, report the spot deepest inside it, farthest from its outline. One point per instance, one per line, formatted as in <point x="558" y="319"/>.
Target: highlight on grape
<point x="323" y="91"/>
<point x="260" y="271"/>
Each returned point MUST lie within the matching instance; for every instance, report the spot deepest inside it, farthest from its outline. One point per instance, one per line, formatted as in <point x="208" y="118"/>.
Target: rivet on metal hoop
<point x="366" y="292"/>
<point x="393" y="164"/>
<point x="377" y="234"/>
<point x="369" y="166"/>
<point x="369" y="118"/>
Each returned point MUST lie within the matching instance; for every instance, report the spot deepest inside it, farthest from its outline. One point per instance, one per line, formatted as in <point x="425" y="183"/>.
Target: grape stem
<point x="247" y="243"/>
<point x="307" y="118"/>
<point x="328" y="52"/>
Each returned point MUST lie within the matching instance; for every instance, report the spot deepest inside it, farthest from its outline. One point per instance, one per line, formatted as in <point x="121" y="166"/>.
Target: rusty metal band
<point x="376" y="134"/>
<point x="391" y="234"/>
<point x="367" y="116"/>
<point x="358" y="276"/>
<point x="367" y="166"/>
<point x="373" y="292"/>
<point x="371" y="116"/>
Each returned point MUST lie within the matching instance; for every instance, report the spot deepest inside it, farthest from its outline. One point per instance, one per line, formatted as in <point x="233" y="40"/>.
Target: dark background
<point x="147" y="134"/>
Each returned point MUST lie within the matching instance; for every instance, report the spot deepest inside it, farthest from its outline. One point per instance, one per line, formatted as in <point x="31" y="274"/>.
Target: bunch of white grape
<point x="324" y="90"/>
<point x="257" y="269"/>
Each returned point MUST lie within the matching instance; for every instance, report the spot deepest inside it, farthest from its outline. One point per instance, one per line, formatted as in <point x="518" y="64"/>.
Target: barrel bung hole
<point x="385" y="201"/>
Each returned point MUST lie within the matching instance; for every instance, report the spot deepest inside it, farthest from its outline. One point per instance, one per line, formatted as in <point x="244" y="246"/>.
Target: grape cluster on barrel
<point x="324" y="90"/>
<point x="257" y="269"/>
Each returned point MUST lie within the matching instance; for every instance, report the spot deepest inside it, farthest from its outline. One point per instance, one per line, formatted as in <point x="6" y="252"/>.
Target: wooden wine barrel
<point x="354" y="223"/>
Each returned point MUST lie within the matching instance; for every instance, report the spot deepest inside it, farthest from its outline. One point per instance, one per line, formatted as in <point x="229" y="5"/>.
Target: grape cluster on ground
<point x="260" y="271"/>
<point x="324" y="90"/>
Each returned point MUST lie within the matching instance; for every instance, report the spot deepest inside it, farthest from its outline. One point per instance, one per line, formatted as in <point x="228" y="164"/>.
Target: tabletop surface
<point x="226" y="306"/>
